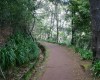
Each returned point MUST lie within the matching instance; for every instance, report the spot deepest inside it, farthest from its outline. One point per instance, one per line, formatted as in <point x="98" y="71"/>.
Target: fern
<point x="18" y="51"/>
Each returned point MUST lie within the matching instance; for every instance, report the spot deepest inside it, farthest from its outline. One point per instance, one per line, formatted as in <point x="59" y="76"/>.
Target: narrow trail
<point x="62" y="64"/>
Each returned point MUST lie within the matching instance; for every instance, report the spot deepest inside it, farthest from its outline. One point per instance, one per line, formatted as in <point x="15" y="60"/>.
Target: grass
<point x="19" y="50"/>
<point x="36" y="71"/>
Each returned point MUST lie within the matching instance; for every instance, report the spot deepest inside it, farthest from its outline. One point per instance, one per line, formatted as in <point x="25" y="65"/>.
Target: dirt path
<point x="62" y="64"/>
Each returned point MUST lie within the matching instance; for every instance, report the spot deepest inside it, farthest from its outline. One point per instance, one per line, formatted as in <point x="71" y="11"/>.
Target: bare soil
<point x="5" y="32"/>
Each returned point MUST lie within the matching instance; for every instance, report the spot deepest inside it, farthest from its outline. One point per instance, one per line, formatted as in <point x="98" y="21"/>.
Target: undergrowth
<point x="96" y="69"/>
<point x="84" y="53"/>
<point x="19" y="50"/>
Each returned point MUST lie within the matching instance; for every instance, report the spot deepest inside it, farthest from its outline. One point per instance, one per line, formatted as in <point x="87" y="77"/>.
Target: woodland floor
<point x="63" y="64"/>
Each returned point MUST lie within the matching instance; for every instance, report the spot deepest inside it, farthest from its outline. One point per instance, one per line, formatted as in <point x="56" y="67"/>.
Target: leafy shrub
<point x="62" y="44"/>
<point x="96" y="69"/>
<point x="85" y="54"/>
<point x="76" y="49"/>
<point x="51" y="41"/>
<point x="19" y="50"/>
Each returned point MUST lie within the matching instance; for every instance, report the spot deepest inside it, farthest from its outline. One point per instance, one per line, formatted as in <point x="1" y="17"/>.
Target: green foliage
<point x="81" y="22"/>
<point x="16" y="12"/>
<point x="96" y="69"/>
<point x="19" y="50"/>
<point x="85" y="54"/>
<point x="81" y="31"/>
<point x="50" y="40"/>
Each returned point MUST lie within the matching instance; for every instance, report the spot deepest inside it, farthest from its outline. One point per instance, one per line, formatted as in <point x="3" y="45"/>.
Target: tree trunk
<point x="56" y="14"/>
<point x="73" y="31"/>
<point x="51" y="24"/>
<point x="95" y="16"/>
<point x="73" y="27"/>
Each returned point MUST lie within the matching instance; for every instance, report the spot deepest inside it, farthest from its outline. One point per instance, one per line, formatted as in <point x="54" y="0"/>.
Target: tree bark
<point x="73" y="32"/>
<point x="73" y="26"/>
<point x="95" y="16"/>
<point x="57" y="21"/>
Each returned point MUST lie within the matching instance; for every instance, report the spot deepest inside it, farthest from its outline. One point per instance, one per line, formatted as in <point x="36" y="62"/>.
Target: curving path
<point x="62" y="64"/>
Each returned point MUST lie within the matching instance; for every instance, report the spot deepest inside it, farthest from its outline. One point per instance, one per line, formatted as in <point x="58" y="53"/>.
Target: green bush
<point x="96" y="69"/>
<point x="19" y="50"/>
<point x="85" y="54"/>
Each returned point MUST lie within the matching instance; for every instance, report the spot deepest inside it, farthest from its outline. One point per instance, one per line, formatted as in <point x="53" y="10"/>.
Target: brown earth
<point x="5" y="32"/>
<point x="63" y="64"/>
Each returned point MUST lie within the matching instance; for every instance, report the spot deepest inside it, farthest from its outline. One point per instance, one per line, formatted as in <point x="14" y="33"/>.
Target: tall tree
<point x="80" y="16"/>
<point x="72" y="22"/>
<point x="57" y="21"/>
<point x="95" y="16"/>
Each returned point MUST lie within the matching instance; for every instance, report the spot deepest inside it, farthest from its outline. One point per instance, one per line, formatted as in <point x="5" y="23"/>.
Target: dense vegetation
<point x="16" y="13"/>
<point x="19" y="50"/>
<point x="60" y="21"/>
<point x="81" y="27"/>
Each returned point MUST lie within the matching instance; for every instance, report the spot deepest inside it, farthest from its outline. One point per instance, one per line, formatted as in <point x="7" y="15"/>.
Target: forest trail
<point x="62" y="64"/>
